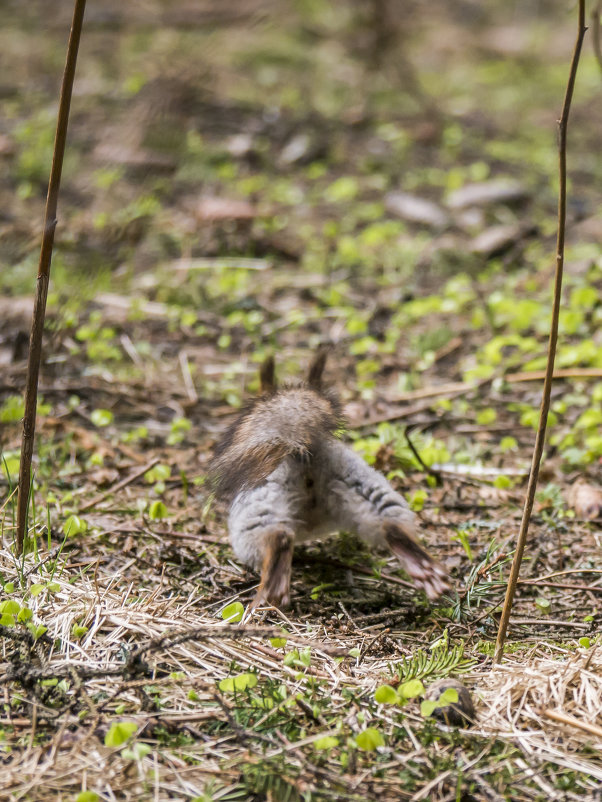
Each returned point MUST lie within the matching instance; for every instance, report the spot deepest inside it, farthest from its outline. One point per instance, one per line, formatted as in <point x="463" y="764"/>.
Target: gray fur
<point x="336" y="490"/>
<point x="288" y="480"/>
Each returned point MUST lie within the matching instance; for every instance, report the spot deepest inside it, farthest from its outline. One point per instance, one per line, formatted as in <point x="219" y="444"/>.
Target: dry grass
<point x="185" y="257"/>
<point x="205" y="741"/>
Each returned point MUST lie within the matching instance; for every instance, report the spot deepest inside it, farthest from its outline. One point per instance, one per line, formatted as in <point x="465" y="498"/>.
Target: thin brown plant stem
<point x="547" y="387"/>
<point x="39" y="310"/>
<point x="596" y="11"/>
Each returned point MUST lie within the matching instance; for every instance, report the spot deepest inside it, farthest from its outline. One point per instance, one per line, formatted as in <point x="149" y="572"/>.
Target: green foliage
<point x="78" y="631"/>
<point x="35" y="138"/>
<point x="37" y="630"/>
<point x="119" y="732"/>
<point x="369" y="739"/>
<point x="138" y="751"/>
<point x="101" y="417"/>
<point x="439" y="663"/>
<point x="233" y="612"/>
<point x="342" y="190"/>
<point x="9" y="465"/>
<point x="486" y="416"/>
<point x="9" y="610"/>
<point x="298" y="657"/>
<point x="479" y="589"/>
<point x="11" y="411"/>
<point x="74" y="525"/>
<point x="417" y="499"/>
<point x="326" y="743"/>
<point x="462" y="535"/>
<point x="411" y="688"/>
<point x="100" y="340"/>
<point x="320" y="257"/>
<point x="428" y="706"/>
<point x="179" y="428"/>
<point x="87" y="796"/>
<point x="158" y="473"/>
<point x="157" y="511"/>
<point x="240" y="682"/>
<point x="386" y="695"/>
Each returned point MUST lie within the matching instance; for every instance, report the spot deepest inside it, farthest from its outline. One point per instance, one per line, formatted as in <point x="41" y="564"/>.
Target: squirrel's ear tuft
<point x="267" y="375"/>
<point x="316" y="369"/>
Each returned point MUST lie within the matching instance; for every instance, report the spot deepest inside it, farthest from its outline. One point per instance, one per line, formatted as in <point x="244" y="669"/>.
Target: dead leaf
<point x="586" y="500"/>
<point x="7" y="146"/>
<point x="212" y="209"/>
<point x="497" y="239"/>
<point x="487" y="193"/>
<point x="104" y="476"/>
<point x="416" y="209"/>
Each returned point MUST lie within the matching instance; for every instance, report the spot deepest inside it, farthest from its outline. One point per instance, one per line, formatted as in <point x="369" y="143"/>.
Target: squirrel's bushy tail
<point x="278" y="424"/>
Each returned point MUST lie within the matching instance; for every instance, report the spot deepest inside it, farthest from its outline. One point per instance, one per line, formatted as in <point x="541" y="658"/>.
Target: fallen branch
<point x="547" y="387"/>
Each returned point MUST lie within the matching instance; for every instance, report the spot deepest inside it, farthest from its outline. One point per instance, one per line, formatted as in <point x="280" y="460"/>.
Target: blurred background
<point x="257" y="175"/>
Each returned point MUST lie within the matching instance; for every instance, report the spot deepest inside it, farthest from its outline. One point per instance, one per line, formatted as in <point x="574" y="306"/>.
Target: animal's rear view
<point x="289" y="479"/>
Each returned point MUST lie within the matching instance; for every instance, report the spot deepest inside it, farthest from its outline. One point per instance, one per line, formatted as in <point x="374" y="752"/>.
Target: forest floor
<point x="249" y="179"/>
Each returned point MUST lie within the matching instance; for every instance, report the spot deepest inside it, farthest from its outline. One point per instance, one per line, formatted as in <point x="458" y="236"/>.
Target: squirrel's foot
<point x="425" y="572"/>
<point x="276" y="570"/>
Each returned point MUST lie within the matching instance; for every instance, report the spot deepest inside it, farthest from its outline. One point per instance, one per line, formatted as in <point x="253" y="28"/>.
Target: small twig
<point x="239" y="731"/>
<point x="554" y="574"/>
<point x="8" y="498"/>
<point x="54" y="553"/>
<point x="187" y="376"/>
<point x="561" y="585"/>
<point x="562" y="373"/>
<point x="449" y="391"/>
<point x="371" y="643"/>
<point x="547" y="387"/>
<point x="309" y="711"/>
<point x="549" y="622"/>
<point x="39" y="311"/>
<point x="361" y="569"/>
<point x="120" y="485"/>
<point x="435" y="474"/>
<point x="571" y="721"/>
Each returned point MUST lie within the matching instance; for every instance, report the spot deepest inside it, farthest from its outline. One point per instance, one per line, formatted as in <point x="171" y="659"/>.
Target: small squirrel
<point x="288" y="479"/>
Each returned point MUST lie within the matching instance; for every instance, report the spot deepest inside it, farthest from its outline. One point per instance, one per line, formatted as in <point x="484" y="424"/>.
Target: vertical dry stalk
<point x="39" y="309"/>
<point x="547" y="386"/>
<point x="596" y="11"/>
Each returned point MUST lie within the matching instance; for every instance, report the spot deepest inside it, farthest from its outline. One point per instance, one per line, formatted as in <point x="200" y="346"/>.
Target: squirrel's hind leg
<point x="275" y="584"/>
<point x="263" y="523"/>
<point x="360" y="499"/>
<point x="426" y="572"/>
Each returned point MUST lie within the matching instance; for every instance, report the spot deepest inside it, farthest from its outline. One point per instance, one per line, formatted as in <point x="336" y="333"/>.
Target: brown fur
<point x="274" y="587"/>
<point x="416" y="560"/>
<point x="280" y="423"/>
<point x="267" y="376"/>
